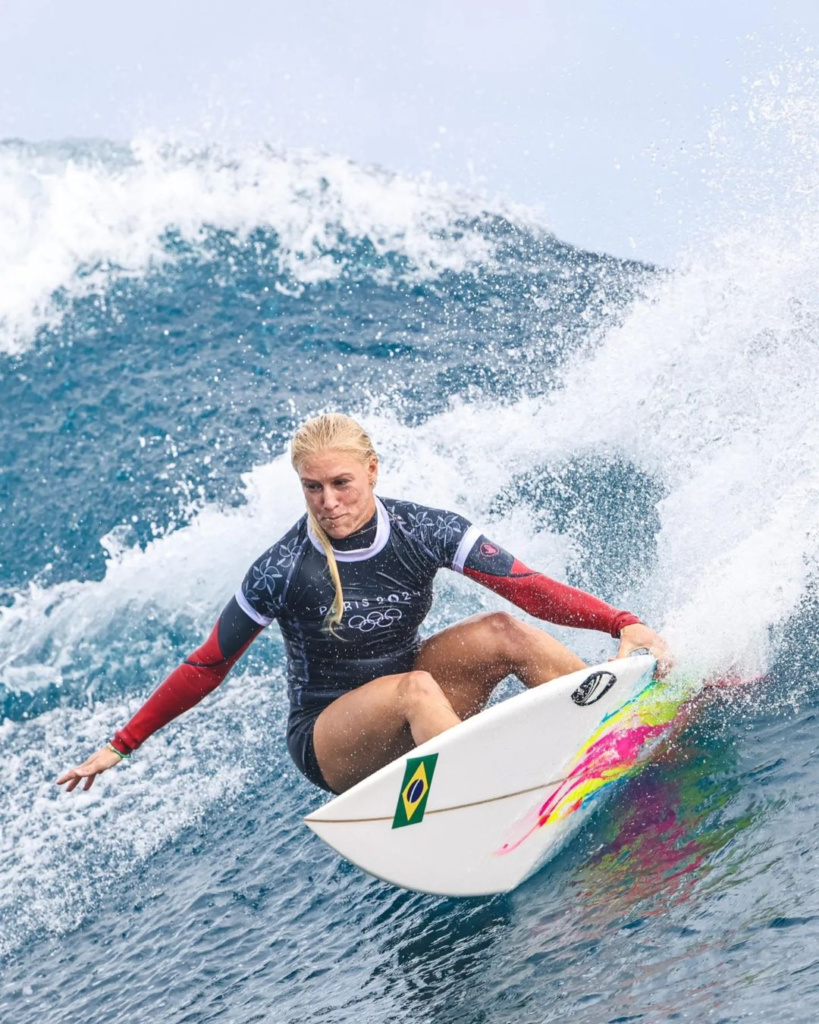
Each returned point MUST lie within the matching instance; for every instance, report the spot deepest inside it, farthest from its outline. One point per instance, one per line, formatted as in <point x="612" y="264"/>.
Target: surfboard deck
<point x="483" y="806"/>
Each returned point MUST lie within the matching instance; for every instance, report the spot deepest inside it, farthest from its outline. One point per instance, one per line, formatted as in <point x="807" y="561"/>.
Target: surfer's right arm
<point x="200" y="674"/>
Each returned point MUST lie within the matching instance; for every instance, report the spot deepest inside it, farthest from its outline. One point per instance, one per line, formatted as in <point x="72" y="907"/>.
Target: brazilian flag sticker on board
<point x="412" y="800"/>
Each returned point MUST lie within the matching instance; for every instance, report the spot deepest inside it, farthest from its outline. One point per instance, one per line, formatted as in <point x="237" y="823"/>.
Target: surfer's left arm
<point x="488" y="564"/>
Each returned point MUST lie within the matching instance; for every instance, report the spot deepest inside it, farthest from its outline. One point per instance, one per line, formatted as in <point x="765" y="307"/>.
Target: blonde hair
<point x="340" y="433"/>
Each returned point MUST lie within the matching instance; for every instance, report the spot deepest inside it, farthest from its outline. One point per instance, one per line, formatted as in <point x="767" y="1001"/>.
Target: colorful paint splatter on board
<point x="619" y="747"/>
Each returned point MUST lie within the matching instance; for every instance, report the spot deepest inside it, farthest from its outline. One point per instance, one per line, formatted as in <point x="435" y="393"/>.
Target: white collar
<point x="382" y="535"/>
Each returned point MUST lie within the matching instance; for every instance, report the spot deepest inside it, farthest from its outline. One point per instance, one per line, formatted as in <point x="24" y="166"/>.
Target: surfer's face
<point x="338" y="488"/>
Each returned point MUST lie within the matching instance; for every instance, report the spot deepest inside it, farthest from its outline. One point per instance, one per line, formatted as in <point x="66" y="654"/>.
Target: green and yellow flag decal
<point x="412" y="800"/>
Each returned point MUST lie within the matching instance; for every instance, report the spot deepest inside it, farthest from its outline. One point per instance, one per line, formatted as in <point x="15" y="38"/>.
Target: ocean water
<point x="167" y="315"/>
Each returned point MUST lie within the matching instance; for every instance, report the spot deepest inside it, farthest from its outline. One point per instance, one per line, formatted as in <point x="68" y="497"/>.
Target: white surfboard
<point x="481" y="807"/>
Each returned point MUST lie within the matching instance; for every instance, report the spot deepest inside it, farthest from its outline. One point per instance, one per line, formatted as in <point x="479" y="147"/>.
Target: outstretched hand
<point x="633" y="637"/>
<point x="90" y="769"/>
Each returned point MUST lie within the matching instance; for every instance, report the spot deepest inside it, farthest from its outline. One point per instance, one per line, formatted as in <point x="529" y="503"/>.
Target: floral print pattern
<point x="448" y="527"/>
<point x="439" y="531"/>
<point x="288" y="552"/>
<point x="265" y="575"/>
<point x="420" y="522"/>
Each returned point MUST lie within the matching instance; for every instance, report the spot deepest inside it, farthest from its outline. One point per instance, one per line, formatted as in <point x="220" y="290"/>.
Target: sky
<point x="598" y="113"/>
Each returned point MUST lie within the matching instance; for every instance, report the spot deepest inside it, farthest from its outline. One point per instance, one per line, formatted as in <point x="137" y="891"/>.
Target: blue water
<point x="166" y="317"/>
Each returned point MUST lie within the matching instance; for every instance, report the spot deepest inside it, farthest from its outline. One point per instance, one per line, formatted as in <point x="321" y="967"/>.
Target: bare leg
<point x="454" y="676"/>
<point x="375" y="723"/>
<point x="469" y="659"/>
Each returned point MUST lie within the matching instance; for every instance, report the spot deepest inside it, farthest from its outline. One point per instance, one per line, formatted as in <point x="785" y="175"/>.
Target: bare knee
<point x="417" y="688"/>
<point x="530" y="653"/>
<point x="500" y="622"/>
<point x="505" y="634"/>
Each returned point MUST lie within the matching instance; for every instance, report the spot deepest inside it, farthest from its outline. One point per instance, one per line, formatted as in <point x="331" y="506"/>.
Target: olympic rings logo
<point x="377" y="619"/>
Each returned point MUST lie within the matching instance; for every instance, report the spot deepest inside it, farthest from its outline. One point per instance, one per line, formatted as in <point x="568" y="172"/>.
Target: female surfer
<point x="350" y="585"/>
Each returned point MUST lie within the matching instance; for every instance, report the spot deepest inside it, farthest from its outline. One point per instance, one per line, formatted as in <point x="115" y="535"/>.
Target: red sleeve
<point x="194" y="679"/>
<point x="547" y="599"/>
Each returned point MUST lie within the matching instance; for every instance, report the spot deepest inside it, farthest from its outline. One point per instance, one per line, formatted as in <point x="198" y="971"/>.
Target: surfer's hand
<point x="90" y="769"/>
<point x="633" y="637"/>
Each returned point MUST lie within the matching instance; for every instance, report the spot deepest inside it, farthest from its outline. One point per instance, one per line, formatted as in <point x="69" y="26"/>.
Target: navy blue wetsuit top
<point x="387" y="583"/>
<point x="387" y="595"/>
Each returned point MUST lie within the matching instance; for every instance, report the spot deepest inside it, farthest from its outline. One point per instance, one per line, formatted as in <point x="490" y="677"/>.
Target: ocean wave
<point x="76" y="216"/>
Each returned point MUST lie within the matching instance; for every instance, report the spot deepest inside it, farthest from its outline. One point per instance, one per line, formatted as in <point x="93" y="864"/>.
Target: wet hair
<point x="339" y="433"/>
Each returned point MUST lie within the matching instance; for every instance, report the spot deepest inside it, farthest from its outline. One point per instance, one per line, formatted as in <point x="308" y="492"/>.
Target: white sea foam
<point x="59" y="853"/>
<point x="708" y="384"/>
<point x="190" y="572"/>
<point x="75" y="217"/>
